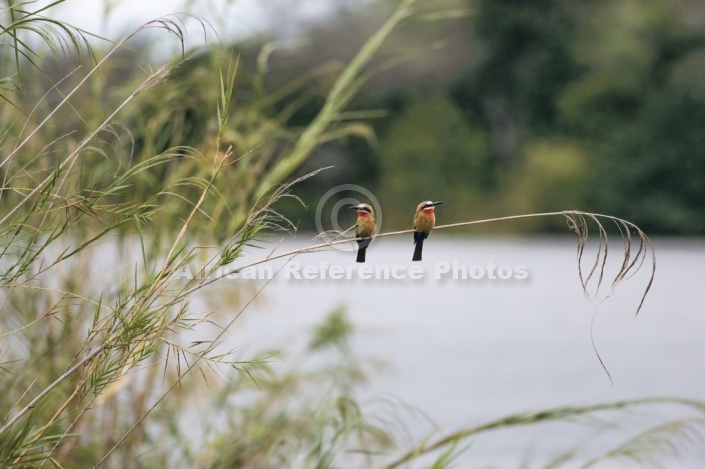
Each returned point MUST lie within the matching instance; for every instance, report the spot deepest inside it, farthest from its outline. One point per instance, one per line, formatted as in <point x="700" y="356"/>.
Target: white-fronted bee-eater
<point x="424" y="221"/>
<point x="364" y="228"/>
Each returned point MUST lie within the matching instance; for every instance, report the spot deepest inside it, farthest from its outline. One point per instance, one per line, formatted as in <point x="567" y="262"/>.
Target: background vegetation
<point x="508" y="107"/>
<point x="539" y="106"/>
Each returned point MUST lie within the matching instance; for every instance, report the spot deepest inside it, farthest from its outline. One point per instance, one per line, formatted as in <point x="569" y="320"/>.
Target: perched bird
<point x="364" y="229"/>
<point x="424" y="221"/>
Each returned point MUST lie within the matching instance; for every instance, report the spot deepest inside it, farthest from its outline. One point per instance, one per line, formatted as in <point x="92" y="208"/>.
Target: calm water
<point x="468" y="351"/>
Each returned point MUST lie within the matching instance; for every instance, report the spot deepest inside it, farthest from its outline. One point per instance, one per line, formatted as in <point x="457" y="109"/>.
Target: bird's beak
<point x="353" y="207"/>
<point x="436" y="203"/>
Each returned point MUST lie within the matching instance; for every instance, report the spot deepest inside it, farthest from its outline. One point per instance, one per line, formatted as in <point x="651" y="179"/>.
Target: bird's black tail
<point x="418" y="241"/>
<point x="361" y="254"/>
<point x="362" y="249"/>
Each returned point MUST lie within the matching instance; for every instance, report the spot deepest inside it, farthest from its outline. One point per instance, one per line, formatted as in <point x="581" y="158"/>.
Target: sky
<point x="232" y="19"/>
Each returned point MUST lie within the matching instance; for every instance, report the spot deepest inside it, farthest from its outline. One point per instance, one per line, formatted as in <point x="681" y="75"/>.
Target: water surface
<point x="468" y="351"/>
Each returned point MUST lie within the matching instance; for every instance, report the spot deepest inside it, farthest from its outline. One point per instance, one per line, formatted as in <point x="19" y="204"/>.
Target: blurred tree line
<point x="525" y="107"/>
<point x="507" y="107"/>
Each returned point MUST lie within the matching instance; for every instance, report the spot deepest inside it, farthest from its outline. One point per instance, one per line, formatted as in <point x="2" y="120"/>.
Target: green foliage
<point x="334" y="331"/>
<point x="551" y="176"/>
<point x="431" y="151"/>
<point x="655" y="174"/>
<point x="301" y="417"/>
<point x="638" y="108"/>
<point x="617" y="82"/>
<point x="660" y="438"/>
<point x="21" y="25"/>
<point x="527" y="59"/>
